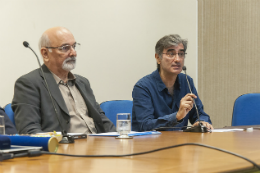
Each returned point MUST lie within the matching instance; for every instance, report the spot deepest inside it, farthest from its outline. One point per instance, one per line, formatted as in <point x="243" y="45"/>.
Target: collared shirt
<point x="154" y="107"/>
<point x="80" y="122"/>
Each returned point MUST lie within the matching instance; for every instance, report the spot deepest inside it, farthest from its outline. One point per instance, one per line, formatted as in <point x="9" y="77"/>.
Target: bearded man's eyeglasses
<point x="66" y="48"/>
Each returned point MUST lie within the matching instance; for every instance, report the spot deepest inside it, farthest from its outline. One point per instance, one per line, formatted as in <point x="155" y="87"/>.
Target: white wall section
<point x="117" y="37"/>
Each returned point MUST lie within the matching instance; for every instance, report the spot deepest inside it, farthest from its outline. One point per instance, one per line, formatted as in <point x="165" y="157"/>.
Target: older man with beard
<point x="78" y="111"/>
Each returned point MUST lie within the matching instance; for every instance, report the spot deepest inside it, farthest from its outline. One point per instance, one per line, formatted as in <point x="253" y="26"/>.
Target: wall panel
<point x="228" y="54"/>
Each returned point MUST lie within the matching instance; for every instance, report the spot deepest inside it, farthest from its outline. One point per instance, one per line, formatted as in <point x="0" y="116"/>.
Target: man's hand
<point x="186" y="104"/>
<point x="206" y="124"/>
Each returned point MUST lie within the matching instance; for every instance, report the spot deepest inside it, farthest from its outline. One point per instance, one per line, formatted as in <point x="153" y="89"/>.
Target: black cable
<point x="37" y="153"/>
<point x="159" y="149"/>
<point x="28" y="153"/>
<point x="21" y="154"/>
<point x="6" y="156"/>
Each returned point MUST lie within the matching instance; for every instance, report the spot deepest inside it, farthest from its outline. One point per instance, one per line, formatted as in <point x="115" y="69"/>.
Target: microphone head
<point x="26" y="44"/>
<point x="184" y="68"/>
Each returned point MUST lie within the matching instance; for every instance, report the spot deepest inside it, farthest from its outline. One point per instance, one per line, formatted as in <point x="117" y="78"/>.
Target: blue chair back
<point x="246" y="110"/>
<point x="9" y="112"/>
<point x="113" y="107"/>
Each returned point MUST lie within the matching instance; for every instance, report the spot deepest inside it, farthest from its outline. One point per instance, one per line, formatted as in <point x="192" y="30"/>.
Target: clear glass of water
<point x="123" y="125"/>
<point x="2" y="125"/>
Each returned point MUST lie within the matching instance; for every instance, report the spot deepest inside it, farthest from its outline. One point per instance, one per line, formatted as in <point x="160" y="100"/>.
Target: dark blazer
<point x="34" y="112"/>
<point x="9" y="126"/>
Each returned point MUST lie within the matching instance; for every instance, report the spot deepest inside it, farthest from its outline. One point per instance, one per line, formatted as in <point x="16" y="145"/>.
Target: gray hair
<point x="44" y="41"/>
<point x="168" y="41"/>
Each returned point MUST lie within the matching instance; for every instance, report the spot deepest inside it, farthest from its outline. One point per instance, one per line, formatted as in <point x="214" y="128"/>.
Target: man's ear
<point x="45" y="54"/>
<point x="158" y="59"/>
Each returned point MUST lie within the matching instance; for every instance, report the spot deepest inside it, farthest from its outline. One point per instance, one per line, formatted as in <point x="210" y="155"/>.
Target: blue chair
<point x="246" y="110"/>
<point x="9" y="112"/>
<point x="113" y="107"/>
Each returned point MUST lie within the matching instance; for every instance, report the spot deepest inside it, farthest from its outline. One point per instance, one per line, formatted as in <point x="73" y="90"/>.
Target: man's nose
<point x="177" y="57"/>
<point x="73" y="52"/>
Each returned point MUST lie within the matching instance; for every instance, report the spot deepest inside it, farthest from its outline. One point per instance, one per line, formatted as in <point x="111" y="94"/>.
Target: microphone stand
<point x="66" y="139"/>
<point x="200" y="128"/>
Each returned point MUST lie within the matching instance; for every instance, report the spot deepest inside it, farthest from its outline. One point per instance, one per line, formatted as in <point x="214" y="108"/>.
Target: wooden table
<point x="181" y="159"/>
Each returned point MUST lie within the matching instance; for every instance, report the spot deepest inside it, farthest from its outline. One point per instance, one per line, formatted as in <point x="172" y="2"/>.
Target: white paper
<point x="226" y="130"/>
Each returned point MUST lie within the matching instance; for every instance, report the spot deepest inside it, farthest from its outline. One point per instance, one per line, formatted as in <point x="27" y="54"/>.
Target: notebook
<point x="18" y="148"/>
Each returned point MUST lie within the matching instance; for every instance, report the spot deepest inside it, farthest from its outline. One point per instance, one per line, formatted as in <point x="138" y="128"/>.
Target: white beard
<point x="68" y="66"/>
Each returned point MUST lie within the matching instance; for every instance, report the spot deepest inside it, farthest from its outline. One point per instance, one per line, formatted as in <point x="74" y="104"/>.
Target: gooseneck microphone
<point x="200" y="128"/>
<point x="66" y="139"/>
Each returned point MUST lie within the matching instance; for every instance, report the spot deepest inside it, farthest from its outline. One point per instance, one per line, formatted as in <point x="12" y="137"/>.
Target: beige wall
<point x="229" y="54"/>
<point x="117" y="37"/>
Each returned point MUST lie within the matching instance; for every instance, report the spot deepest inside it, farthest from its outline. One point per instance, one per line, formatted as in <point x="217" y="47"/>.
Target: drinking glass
<point x="123" y="125"/>
<point x="2" y="125"/>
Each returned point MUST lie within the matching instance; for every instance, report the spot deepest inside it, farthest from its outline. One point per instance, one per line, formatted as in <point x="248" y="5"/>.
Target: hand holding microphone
<point x="186" y="104"/>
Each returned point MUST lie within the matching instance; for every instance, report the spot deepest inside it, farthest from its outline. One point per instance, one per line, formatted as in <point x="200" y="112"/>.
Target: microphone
<point x="200" y="128"/>
<point x="26" y="44"/>
<point x="66" y="139"/>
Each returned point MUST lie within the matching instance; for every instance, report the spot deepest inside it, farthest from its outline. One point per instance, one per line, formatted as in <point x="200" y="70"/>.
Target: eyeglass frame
<point x="184" y="53"/>
<point x="61" y="47"/>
